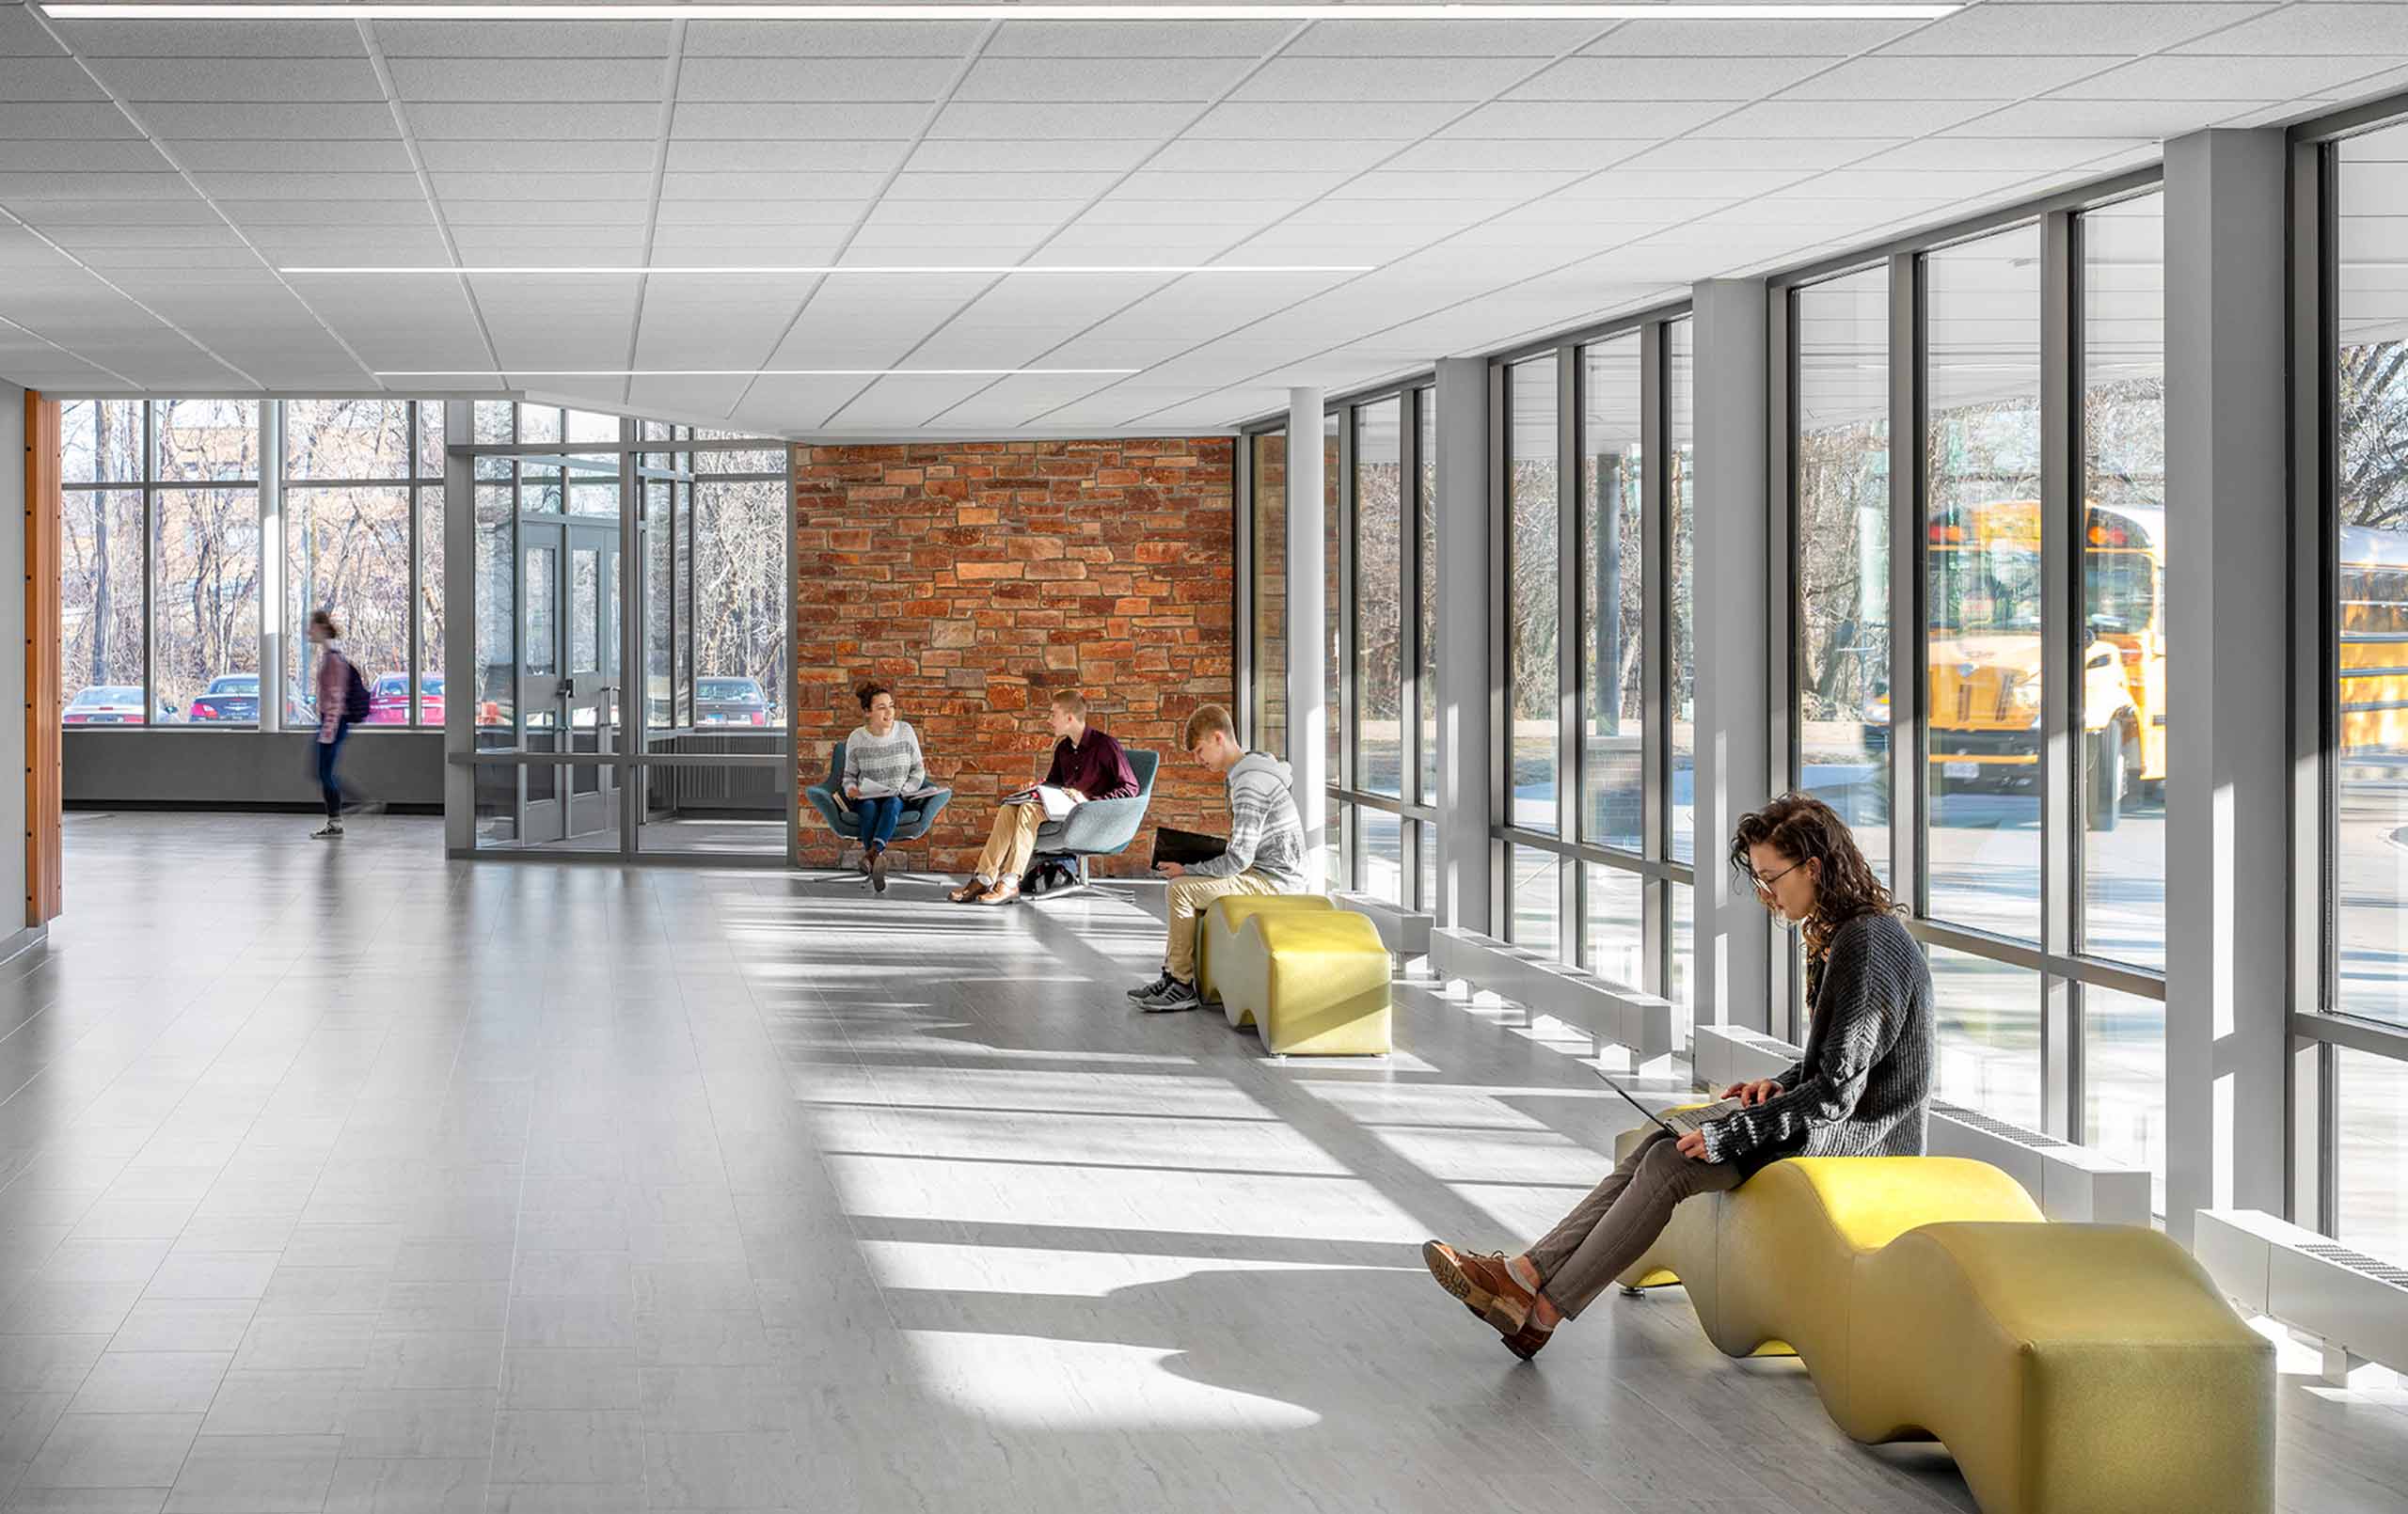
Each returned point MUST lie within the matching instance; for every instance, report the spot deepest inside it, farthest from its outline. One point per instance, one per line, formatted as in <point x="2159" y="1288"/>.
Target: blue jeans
<point x="327" y="753"/>
<point x="878" y="818"/>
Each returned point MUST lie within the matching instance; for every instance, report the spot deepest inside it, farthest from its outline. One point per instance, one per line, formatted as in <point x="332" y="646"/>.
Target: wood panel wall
<point x="44" y="886"/>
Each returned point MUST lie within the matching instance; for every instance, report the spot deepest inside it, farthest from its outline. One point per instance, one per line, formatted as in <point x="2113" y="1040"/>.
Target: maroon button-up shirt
<point x="1097" y="767"/>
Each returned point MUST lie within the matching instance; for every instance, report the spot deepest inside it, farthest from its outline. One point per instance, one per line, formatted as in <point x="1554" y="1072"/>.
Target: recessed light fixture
<point x="908" y="10"/>
<point x="753" y="373"/>
<point x="848" y="270"/>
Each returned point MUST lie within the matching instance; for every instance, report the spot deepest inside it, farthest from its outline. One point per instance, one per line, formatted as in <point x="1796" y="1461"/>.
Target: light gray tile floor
<point x="334" y="1175"/>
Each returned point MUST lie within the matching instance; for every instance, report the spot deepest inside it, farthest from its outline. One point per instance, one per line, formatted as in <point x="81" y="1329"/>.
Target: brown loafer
<point x="1484" y="1283"/>
<point x="1002" y="893"/>
<point x="967" y="891"/>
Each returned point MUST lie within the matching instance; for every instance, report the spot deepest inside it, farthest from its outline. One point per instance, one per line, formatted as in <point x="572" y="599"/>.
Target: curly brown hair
<point x="1805" y="830"/>
<point x="870" y="691"/>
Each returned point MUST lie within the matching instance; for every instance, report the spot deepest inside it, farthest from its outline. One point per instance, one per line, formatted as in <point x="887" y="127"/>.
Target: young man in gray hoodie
<point x="1266" y="852"/>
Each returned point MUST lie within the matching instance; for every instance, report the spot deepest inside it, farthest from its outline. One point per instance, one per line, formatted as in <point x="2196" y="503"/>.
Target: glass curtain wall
<point x="1267" y="580"/>
<point x="2031" y="845"/>
<point x="1382" y="529"/>
<point x="1595" y="585"/>
<point x="2360" y="1053"/>
<point x="163" y="553"/>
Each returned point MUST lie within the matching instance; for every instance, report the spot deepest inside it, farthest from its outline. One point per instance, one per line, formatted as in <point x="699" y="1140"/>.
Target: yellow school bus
<point x="1984" y="710"/>
<point x="2372" y="588"/>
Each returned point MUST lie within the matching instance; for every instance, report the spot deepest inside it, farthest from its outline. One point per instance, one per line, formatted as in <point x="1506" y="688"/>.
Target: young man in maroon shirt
<point x="1086" y="762"/>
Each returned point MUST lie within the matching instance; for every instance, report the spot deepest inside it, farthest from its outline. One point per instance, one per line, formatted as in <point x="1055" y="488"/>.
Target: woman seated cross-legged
<point x="1862" y="1089"/>
<point x="883" y="767"/>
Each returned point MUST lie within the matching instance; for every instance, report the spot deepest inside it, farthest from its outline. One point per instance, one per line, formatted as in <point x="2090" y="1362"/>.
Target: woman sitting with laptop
<point x="1862" y="1089"/>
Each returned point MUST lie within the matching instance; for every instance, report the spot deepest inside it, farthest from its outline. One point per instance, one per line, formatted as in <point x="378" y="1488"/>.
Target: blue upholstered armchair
<point x="828" y="800"/>
<point x="1099" y="828"/>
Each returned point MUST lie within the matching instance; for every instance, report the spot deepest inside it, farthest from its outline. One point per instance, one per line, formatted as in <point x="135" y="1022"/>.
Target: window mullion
<point x="1571" y="549"/>
<point x="2061" y="662"/>
<point x="1654" y="658"/>
<point x="1909" y="652"/>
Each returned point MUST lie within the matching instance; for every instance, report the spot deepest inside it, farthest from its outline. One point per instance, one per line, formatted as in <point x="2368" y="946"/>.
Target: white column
<point x="1308" y="630"/>
<point x="2229" y="718"/>
<point x="1466" y="692"/>
<point x="1734" y="589"/>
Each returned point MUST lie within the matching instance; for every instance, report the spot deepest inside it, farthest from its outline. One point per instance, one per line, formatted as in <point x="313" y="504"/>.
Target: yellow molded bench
<point x="2068" y="1369"/>
<point x="1224" y="918"/>
<point x="1313" y="982"/>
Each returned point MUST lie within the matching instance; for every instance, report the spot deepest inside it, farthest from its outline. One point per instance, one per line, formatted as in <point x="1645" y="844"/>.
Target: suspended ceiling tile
<point x="1668" y="78"/>
<point x="757" y="122"/>
<point x="479" y="79"/>
<point x="241" y="80"/>
<point x="63" y="122"/>
<point x="214" y="40"/>
<point x="457" y="122"/>
<point x="2074" y="27"/>
<point x="268" y="123"/>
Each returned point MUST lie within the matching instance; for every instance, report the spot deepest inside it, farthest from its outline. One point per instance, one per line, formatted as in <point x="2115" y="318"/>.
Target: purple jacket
<point x="1097" y="767"/>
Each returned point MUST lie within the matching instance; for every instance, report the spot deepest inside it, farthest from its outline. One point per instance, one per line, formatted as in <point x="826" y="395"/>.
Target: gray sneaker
<point x="1177" y="996"/>
<point x="1147" y="991"/>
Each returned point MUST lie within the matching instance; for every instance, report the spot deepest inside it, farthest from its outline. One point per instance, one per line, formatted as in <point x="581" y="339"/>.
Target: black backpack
<point x="354" y="692"/>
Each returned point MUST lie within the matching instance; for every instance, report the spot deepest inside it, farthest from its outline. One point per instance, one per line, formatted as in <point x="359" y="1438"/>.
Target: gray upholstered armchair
<point x="1099" y="828"/>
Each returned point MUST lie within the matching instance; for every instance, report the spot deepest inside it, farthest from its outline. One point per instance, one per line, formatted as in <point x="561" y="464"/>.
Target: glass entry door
<point x="568" y="685"/>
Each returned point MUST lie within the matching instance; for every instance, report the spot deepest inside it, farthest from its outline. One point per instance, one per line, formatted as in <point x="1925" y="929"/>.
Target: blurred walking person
<point x="342" y="698"/>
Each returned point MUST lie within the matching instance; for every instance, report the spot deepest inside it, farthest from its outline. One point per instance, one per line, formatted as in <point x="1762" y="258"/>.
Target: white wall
<point x="13" y="662"/>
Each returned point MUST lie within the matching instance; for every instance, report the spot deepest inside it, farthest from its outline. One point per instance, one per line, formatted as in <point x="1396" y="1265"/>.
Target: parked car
<point x="230" y="698"/>
<point x="389" y="700"/>
<point x="114" y="705"/>
<point x="730" y="702"/>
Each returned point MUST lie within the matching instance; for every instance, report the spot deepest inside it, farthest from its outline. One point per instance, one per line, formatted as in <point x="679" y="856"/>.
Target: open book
<point x="871" y="789"/>
<point x="1056" y="801"/>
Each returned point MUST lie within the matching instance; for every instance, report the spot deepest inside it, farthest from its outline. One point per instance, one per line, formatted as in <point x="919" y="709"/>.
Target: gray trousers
<point x="1619" y="1219"/>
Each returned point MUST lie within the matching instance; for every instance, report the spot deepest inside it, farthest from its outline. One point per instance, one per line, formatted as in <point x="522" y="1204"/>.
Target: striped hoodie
<point x="1266" y="838"/>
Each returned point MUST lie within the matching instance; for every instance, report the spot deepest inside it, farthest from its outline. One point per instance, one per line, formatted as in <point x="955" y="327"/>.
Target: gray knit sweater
<point x="885" y="765"/>
<point x="1864" y="1087"/>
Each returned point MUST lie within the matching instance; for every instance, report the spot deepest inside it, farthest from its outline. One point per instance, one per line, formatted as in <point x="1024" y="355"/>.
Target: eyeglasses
<point x="1764" y="885"/>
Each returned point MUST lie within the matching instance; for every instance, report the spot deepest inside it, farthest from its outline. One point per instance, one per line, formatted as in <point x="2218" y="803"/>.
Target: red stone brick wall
<point x="976" y="578"/>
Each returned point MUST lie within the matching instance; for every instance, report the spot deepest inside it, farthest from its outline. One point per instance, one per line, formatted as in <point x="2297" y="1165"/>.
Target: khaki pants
<point x="1189" y="898"/>
<point x="1010" y="843"/>
<point x="1619" y="1219"/>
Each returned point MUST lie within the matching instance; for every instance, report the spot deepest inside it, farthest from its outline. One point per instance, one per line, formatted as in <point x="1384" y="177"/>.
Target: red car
<point x="389" y="700"/>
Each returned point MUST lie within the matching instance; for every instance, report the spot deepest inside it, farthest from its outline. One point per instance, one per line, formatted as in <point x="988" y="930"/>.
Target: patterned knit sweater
<point x="1266" y="836"/>
<point x="1864" y="1087"/>
<point x="890" y="764"/>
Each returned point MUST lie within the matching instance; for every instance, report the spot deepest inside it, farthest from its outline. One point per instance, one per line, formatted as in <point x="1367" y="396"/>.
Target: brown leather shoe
<point x="1528" y="1341"/>
<point x="967" y="891"/>
<point x="1002" y="893"/>
<point x="1484" y="1283"/>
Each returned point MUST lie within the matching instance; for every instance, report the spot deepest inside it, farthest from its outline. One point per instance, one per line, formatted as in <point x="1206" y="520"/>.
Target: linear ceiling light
<point x="910" y="11"/>
<point x="923" y="270"/>
<point x="753" y="373"/>
<point x="850" y="269"/>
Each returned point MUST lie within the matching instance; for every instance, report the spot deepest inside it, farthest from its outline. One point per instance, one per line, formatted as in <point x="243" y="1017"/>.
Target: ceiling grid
<point x="1452" y="186"/>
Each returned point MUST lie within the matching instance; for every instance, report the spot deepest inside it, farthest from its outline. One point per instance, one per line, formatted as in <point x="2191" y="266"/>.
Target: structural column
<point x="2228" y="776"/>
<point x="1308" y="711"/>
<point x="1468" y="695"/>
<point x="1733" y="589"/>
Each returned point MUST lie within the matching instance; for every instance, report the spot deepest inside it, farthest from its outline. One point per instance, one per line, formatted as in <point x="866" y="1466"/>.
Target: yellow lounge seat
<point x="2068" y="1369"/>
<point x="1313" y="982"/>
<point x="1223" y="918"/>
